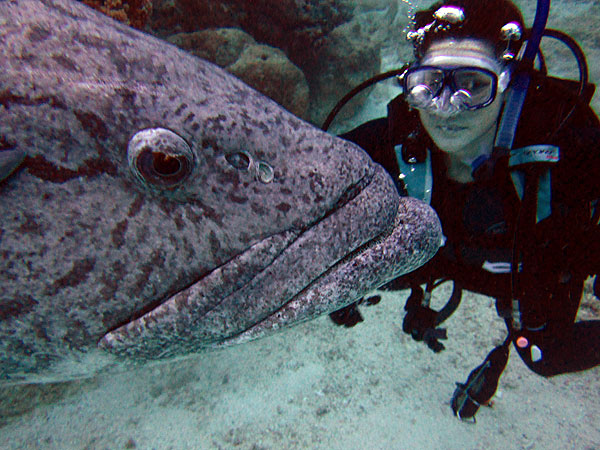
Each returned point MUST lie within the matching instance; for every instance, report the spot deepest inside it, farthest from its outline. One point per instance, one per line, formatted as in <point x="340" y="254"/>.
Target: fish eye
<point x="160" y="157"/>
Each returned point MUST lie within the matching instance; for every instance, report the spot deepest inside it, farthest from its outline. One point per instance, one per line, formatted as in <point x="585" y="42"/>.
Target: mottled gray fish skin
<point x="165" y="207"/>
<point x="10" y="160"/>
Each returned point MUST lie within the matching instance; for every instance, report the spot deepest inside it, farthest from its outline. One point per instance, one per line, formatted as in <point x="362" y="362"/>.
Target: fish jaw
<point x="414" y="239"/>
<point x="304" y="275"/>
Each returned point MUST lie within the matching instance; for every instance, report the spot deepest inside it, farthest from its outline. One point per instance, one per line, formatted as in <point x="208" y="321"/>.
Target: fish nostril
<point x="240" y="160"/>
<point x="243" y="161"/>
<point x="264" y="172"/>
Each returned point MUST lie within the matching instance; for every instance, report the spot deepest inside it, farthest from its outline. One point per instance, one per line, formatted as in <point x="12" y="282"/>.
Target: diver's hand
<point x="350" y="315"/>
<point x="419" y="322"/>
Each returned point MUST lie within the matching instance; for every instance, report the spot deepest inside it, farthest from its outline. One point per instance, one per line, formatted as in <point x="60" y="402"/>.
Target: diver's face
<point x="459" y="131"/>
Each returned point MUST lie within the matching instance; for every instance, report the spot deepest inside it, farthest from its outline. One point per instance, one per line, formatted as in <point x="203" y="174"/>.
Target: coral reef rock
<point x="131" y="12"/>
<point x="222" y="46"/>
<point x="265" y="68"/>
<point x="347" y="59"/>
<point x="295" y="26"/>
<point x="307" y="31"/>
<point x="268" y="70"/>
<point x="336" y="44"/>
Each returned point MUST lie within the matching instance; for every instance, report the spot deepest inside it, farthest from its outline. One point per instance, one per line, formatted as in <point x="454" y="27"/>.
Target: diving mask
<point x="449" y="90"/>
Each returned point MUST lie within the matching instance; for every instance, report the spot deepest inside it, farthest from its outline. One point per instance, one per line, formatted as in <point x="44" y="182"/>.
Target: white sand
<point x="320" y="386"/>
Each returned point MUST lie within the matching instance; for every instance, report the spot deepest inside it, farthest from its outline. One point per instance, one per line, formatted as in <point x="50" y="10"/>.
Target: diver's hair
<point x="483" y="20"/>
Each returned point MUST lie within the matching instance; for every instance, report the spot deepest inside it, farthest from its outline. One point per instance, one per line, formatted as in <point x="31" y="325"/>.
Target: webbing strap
<point x="532" y="154"/>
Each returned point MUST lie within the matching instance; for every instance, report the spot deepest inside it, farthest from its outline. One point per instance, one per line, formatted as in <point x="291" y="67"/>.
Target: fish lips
<point x="370" y="238"/>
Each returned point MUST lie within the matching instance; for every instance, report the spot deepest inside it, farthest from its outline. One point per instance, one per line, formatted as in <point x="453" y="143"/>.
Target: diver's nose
<point x="443" y="105"/>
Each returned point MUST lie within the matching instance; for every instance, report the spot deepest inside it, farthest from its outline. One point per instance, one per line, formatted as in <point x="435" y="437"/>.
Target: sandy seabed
<point x="318" y="386"/>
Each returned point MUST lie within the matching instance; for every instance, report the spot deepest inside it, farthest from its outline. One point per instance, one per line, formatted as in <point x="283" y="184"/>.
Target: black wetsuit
<point x="479" y="221"/>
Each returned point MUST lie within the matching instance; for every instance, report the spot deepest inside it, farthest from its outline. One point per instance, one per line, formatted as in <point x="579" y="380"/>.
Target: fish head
<point x="164" y="207"/>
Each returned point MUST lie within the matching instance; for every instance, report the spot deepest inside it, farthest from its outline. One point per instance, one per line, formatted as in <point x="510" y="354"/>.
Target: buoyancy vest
<point x="540" y="151"/>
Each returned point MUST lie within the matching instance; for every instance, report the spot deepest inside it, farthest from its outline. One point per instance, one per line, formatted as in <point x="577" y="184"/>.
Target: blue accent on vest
<point x="417" y="177"/>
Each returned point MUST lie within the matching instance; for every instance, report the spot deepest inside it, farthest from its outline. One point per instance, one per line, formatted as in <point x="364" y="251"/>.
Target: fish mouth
<point x="413" y="240"/>
<point x="370" y="237"/>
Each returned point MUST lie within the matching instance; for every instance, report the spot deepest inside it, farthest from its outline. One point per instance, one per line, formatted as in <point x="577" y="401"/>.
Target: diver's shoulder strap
<point x="543" y="156"/>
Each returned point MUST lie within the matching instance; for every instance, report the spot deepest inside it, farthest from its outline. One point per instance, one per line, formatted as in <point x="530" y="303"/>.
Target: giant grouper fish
<point x="153" y="206"/>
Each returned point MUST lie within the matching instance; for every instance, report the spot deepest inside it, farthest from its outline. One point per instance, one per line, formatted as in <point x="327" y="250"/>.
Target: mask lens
<point x="460" y="99"/>
<point x="419" y="96"/>
<point x="477" y="86"/>
<point x="422" y="85"/>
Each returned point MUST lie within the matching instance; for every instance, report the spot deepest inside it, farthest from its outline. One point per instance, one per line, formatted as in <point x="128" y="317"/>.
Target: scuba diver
<point x="508" y="157"/>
